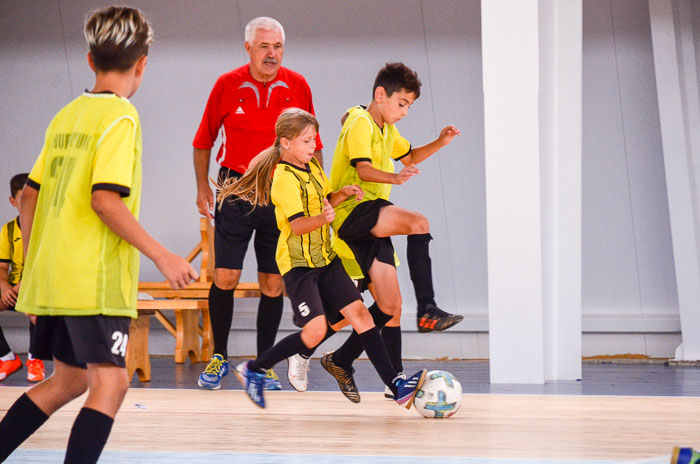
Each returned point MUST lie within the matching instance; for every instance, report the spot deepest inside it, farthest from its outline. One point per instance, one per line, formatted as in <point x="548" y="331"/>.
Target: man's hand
<point x="205" y="201"/>
<point x="406" y="173"/>
<point x="177" y="271"/>
<point x="447" y="134"/>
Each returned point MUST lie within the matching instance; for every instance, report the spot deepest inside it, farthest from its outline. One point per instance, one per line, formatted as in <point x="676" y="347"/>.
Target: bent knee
<point x="420" y="224"/>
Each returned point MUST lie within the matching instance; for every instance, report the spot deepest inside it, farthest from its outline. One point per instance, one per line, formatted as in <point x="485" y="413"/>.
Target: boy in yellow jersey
<point x="368" y="145"/>
<point x="11" y="260"/>
<point x="86" y="185"/>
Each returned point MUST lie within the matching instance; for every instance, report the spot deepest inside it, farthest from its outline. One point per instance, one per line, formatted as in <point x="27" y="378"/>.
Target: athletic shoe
<point x="253" y="383"/>
<point x="344" y="377"/>
<point x="35" y="370"/>
<point x="9" y="367"/>
<point x="298" y="372"/>
<point x="272" y="382"/>
<point x="685" y="456"/>
<point x="407" y="388"/>
<point x="212" y="375"/>
<point x="388" y="394"/>
<point x="432" y="318"/>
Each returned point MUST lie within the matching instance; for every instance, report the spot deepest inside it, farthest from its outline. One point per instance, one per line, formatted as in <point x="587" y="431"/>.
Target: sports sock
<point x="376" y="352"/>
<point x="30" y="356"/>
<point x="420" y="268"/>
<point x="88" y="436"/>
<point x="392" y="341"/>
<point x="221" y="315"/>
<point x="288" y="346"/>
<point x="268" y="321"/>
<point x="5" y="348"/>
<point x="21" y="421"/>
<point x="352" y="348"/>
<point x="306" y="354"/>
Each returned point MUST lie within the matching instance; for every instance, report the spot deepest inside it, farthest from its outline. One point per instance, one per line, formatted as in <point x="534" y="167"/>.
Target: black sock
<point x="376" y="352"/>
<point x="221" y="315"/>
<point x="88" y="436"/>
<point x="288" y="346"/>
<point x="4" y="346"/>
<point x="420" y="268"/>
<point x="352" y="348"/>
<point x="31" y="339"/>
<point x="20" y="422"/>
<point x="392" y="341"/>
<point x="268" y="322"/>
<point x="306" y="354"/>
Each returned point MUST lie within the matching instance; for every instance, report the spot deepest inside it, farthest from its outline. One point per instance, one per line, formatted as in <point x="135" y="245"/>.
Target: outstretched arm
<point x="110" y="208"/>
<point x="368" y="173"/>
<point x="420" y="154"/>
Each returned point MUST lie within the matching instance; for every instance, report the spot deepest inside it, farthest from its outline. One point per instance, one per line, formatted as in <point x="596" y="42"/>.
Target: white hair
<point x="262" y="22"/>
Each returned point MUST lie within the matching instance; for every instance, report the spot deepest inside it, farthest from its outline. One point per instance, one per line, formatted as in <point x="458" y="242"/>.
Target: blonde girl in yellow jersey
<point x="320" y="290"/>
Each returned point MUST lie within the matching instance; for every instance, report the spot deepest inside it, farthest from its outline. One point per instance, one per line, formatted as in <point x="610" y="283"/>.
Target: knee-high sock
<point x="4" y="346"/>
<point x="221" y="314"/>
<point x="376" y="352"/>
<point x="420" y="267"/>
<point x="31" y="340"/>
<point x="268" y="321"/>
<point x="392" y="341"/>
<point x="21" y="421"/>
<point x="88" y="436"/>
<point x="308" y="352"/>
<point x="288" y="346"/>
<point x="353" y="348"/>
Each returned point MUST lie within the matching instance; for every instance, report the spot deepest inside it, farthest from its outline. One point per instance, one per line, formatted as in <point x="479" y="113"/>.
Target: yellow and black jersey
<point x="75" y="264"/>
<point x="11" y="250"/>
<point x="296" y="193"/>
<point x="361" y="139"/>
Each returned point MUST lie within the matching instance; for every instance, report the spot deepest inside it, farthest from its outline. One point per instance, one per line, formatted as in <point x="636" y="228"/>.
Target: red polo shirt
<point x="246" y="110"/>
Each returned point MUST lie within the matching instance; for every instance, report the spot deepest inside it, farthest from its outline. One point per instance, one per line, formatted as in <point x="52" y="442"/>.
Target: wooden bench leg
<point x="137" y="359"/>
<point x="207" y="336"/>
<point x="186" y="337"/>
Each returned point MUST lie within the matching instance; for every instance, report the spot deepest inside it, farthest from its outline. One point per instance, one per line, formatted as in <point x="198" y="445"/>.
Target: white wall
<point x="628" y="280"/>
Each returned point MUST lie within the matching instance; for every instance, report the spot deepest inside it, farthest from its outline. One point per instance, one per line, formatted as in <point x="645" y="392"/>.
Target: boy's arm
<point x="420" y="154"/>
<point x="368" y="173"/>
<point x="336" y="198"/>
<point x="110" y="208"/>
<point x="304" y="225"/>
<point x="27" y="206"/>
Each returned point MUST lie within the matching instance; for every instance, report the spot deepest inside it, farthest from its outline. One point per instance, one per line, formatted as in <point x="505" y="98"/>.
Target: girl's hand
<point x="353" y="190"/>
<point x="328" y="211"/>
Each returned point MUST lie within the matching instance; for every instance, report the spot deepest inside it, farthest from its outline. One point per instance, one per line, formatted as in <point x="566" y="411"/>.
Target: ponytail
<point x="254" y="186"/>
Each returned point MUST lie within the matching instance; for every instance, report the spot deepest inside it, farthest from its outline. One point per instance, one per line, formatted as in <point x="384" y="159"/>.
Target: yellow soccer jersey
<point x="299" y="193"/>
<point x="11" y="250"/>
<point x="361" y="139"/>
<point x="76" y="266"/>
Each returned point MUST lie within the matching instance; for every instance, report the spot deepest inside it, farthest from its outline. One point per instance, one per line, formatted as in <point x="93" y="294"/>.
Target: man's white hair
<point x="262" y="22"/>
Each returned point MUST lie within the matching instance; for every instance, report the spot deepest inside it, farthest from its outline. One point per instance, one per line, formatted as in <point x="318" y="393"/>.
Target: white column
<point x="532" y="108"/>
<point x="679" y="112"/>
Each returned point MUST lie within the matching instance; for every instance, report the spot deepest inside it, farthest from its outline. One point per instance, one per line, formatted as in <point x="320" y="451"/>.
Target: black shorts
<point x="235" y="224"/>
<point x="79" y="340"/>
<point x="320" y="291"/>
<point x="355" y="231"/>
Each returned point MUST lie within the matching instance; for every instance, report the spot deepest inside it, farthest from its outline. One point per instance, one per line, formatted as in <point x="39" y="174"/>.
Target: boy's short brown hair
<point x="395" y="77"/>
<point x="17" y="183"/>
<point x="117" y="36"/>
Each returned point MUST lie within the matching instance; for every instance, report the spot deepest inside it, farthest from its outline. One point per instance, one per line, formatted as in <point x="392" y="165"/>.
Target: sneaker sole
<point x="456" y="319"/>
<point x="352" y="396"/>
<point x="420" y="383"/>
<point x="207" y="386"/>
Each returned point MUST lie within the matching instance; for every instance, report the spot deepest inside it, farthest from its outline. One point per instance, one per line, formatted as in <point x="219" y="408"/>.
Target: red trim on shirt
<point x="244" y="111"/>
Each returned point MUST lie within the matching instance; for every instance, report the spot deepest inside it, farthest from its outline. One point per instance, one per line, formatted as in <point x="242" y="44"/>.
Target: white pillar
<point x="532" y="108"/>
<point x="679" y="112"/>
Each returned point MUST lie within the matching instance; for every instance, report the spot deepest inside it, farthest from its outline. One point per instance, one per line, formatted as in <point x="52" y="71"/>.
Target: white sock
<point x="8" y="357"/>
<point x="29" y="357"/>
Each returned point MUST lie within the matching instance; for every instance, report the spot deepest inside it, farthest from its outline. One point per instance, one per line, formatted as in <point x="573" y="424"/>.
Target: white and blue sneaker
<point x="214" y="372"/>
<point x="252" y="383"/>
<point x="272" y="382"/>
<point x="407" y="388"/>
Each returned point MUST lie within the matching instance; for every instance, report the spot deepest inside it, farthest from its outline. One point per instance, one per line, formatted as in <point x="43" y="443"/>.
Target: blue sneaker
<point x="212" y="375"/>
<point x="407" y="388"/>
<point x="272" y="382"/>
<point x="252" y="383"/>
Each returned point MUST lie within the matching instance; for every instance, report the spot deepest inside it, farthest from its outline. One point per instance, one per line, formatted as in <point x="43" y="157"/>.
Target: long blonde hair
<point x="254" y="186"/>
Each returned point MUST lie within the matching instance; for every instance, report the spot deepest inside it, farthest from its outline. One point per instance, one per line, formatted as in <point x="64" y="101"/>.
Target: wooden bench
<point x="188" y="305"/>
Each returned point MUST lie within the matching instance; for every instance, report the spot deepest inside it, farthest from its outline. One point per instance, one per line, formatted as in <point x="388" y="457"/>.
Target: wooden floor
<point x="567" y="428"/>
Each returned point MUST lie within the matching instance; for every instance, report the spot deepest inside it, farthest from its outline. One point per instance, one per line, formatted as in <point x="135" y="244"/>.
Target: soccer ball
<point x="440" y="396"/>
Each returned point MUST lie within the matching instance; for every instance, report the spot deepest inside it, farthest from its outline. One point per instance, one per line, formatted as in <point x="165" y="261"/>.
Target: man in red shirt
<point x="243" y="107"/>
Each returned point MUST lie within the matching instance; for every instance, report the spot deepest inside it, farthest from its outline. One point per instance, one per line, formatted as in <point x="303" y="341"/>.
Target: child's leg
<point x="107" y="385"/>
<point x="33" y="408"/>
<point x="4" y="346"/>
<point x="310" y="336"/>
